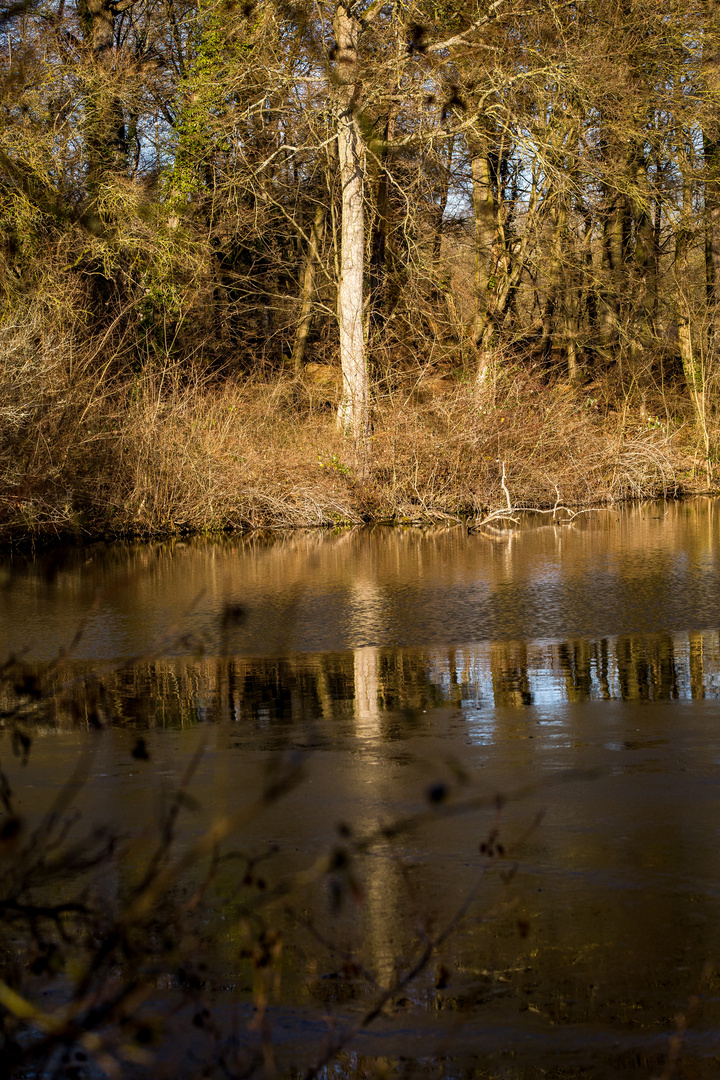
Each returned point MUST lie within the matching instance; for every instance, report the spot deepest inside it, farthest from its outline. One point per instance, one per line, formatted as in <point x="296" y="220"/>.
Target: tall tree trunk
<point x="312" y="260"/>
<point x="692" y="365"/>
<point x="615" y="230"/>
<point x="711" y="154"/>
<point x="567" y="291"/>
<point x="646" y="255"/>
<point x="485" y="281"/>
<point x="354" y="412"/>
<point x="105" y="134"/>
<point x="379" y="240"/>
<point x="443" y="192"/>
<point x="500" y="258"/>
<point x="642" y="282"/>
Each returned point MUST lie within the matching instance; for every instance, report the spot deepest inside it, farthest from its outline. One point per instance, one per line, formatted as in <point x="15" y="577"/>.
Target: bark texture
<point x="354" y="412"/>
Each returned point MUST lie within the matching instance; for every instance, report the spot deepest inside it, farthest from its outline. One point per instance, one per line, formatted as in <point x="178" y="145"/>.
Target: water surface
<point x="573" y="669"/>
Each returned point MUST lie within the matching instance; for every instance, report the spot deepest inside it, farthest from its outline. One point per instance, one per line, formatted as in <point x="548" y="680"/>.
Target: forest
<point x="317" y="262"/>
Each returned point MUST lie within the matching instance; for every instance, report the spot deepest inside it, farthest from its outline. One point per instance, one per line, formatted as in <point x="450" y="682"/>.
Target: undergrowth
<point x="98" y="441"/>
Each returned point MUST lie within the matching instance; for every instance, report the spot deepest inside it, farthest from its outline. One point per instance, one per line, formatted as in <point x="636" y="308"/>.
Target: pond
<point x="524" y="724"/>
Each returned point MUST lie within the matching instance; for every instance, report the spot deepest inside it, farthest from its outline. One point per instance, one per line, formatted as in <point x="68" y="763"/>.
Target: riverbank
<point x="169" y="452"/>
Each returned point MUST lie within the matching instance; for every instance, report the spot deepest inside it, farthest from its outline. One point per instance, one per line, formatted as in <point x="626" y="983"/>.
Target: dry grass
<point x="111" y="448"/>
<point x="447" y="451"/>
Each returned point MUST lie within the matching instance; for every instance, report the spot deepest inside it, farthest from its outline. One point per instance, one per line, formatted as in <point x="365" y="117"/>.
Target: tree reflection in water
<point x="406" y="666"/>
<point x="378" y="685"/>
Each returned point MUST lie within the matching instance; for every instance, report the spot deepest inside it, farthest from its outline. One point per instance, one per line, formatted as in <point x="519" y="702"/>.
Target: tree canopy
<point x="267" y="186"/>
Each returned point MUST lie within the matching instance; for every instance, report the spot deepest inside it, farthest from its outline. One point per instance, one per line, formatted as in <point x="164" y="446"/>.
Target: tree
<point x="354" y="411"/>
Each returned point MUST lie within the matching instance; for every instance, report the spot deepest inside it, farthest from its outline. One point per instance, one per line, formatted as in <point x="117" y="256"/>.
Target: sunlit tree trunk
<point x="354" y="412"/>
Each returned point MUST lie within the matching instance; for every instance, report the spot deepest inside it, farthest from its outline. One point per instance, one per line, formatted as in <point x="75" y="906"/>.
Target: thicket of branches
<point x="225" y="191"/>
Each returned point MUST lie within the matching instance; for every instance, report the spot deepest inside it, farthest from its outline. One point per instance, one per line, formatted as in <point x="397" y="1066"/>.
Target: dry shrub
<point x="198" y="455"/>
<point x="444" y="449"/>
<point x="115" y="445"/>
<point x="60" y="413"/>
